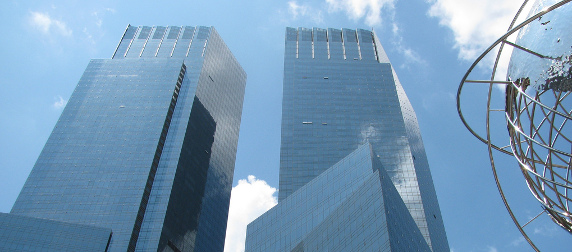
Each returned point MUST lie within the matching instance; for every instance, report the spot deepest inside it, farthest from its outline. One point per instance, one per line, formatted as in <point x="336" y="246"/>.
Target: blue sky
<point x="46" y="46"/>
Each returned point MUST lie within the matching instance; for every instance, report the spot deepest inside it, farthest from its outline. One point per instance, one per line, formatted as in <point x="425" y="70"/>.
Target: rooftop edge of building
<point x="335" y="44"/>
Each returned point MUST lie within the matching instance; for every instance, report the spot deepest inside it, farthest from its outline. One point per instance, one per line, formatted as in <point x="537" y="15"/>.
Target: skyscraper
<point x="351" y="206"/>
<point x="340" y="92"/>
<point x="145" y="148"/>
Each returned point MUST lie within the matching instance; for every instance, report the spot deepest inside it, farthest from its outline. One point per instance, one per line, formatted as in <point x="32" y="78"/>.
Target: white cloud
<point x="409" y="54"/>
<point x="492" y="249"/>
<point x="88" y="36"/>
<point x="99" y="16"/>
<point x="475" y="24"/>
<point x="60" y="103"/>
<point x="47" y="25"/>
<point x="98" y="20"/>
<point x="518" y="241"/>
<point x="358" y="9"/>
<point x="370" y="12"/>
<point x="249" y="199"/>
<point x="295" y="9"/>
<point x="548" y="229"/>
<point x="304" y="11"/>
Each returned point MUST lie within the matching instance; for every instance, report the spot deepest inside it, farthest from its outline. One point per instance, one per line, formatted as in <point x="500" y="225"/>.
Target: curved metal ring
<point x="490" y="48"/>
<point x="487" y="141"/>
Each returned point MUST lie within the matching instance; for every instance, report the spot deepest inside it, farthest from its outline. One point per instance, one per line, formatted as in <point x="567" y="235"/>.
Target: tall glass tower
<point x="146" y="145"/>
<point x="340" y="92"/>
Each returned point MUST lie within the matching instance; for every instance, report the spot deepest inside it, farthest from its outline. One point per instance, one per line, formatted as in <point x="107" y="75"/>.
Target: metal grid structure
<point x="537" y="123"/>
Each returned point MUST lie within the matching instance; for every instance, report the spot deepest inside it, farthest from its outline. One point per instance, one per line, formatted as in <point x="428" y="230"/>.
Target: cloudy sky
<point x="46" y="46"/>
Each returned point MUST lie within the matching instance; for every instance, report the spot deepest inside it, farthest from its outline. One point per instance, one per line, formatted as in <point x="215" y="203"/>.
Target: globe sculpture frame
<point x="536" y="125"/>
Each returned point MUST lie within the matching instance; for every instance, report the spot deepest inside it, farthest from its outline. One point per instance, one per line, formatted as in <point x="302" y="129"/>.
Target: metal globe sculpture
<point x="537" y="107"/>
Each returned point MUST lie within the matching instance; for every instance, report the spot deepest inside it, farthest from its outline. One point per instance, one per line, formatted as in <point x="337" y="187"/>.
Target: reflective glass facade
<point x="340" y="91"/>
<point x="146" y="145"/>
<point x="23" y="234"/>
<point x="352" y="206"/>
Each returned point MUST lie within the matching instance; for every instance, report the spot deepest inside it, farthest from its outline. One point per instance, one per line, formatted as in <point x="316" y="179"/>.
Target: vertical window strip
<point x="121" y="41"/>
<point x="343" y="44"/>
<point x="131" y="42"/>
<point x="358" y="46"/>
<point x="312" y="43"/>
<point x="376" y="54"/>
<point x="177" y="39"/>
<point x="206" y="42"/>
<point x="192" y="40"/>
<point x="297" y="42"/>
<point x="146" y="40"/>
<point x="161" y="42"/>
<point x="328" y="42"/>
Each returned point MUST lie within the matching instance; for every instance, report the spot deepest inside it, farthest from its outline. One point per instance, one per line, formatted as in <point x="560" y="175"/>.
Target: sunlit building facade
<point x="143" y="154"/>
<point x="351" y="206"/>
<point x="340" y="92"/>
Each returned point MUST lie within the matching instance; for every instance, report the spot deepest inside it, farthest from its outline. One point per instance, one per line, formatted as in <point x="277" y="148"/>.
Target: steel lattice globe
<point x="538" y="109"/>
<point x="540" y="132"/>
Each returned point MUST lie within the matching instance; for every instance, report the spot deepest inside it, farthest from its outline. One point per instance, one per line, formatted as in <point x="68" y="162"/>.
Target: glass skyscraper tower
<point x="142" y="157"/>
<point x="341" y="92"/>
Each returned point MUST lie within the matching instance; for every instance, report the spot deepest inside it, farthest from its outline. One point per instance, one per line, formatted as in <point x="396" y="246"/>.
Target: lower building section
<point x="352" y="206"/>
<point x="23" y="233"/>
